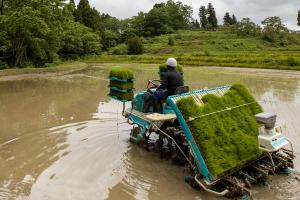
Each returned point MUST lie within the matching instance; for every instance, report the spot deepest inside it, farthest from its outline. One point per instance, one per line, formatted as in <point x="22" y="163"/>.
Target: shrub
<point x="120" y="50"/>
<point x="268" y="60"/>
<point x="225" y="47"/>
<point x="171" y="41"/>
<point x="247" y="28"/>
<point x="227" y="140"/>
<point x="135" y="46"/>
<point x="178" y="36"/>
<point x="291" y="61"/>
<point x="3" y="65"/>
<point x="207" y="53"/>
<point x="269" y="36"/>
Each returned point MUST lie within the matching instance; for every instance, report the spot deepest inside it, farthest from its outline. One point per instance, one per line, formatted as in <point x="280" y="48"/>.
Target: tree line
<point x="40" y="32"/>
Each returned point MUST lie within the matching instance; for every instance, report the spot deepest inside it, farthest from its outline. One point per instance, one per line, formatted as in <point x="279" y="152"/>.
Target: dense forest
<point x="40" y="32"/>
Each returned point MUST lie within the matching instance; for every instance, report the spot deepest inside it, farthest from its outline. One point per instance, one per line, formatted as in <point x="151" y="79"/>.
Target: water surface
<point x="62" y="137"/>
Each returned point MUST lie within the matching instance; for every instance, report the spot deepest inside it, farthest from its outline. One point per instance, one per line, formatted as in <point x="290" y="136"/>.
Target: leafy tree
<point x="110" y="38"/>
<point x="171" y="41"/>
<point x="78" y="40"/>
<point x="69" y="10"/>
<point x="72" y="3"/>
<point x="211" y="16"/>
<point x="138" y="23"/>
<point x="86" y="15"/>
<point x="135" y="46"/>
<point x="273" y="28"/>
<point x="234" y="20"/>
<point x="275" y="24"/>
<point x="247" y="28"/>
<point x="111" y="23"/>
<point x="298" y="19"/>
<point x="227" y="19"/>
<point x="127" y="33"/>
<point x="203" y="18"/>
<point x="27" y="28"/>
<point x="165" y="18"/>
<point x="110" y="29"/>
<point x="5" y="46"/>
<point x="180" y="15"/>
<point x="157" y="21"/>
<point x="83" y="12"/>
<point x="23" y="28"/>
<point x="40" y="32"/>
<point x="195" y="24"/>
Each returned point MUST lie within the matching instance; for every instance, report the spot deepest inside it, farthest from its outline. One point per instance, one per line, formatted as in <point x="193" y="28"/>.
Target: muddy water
<point x="62" y="138"/>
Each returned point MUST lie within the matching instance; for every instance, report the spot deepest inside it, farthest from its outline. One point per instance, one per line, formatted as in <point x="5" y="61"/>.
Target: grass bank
<point x="213" y="48"/>
<point x="62" y="68"/>
<point x="264" y="60"/>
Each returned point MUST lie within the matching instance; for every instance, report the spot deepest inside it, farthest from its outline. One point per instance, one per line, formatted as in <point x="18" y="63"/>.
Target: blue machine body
<point x="138" y="104"/>
<point x="145" y="125"/>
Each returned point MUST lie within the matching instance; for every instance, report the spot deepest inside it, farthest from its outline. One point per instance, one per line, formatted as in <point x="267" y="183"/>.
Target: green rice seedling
<point x="121" y="73"/>
<point x="122" y="96"/>
<point x="227" y="140"/>
<point x="122" y="85"/>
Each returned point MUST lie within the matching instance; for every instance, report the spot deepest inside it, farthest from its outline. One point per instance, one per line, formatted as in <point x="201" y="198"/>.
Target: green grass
<point x="215" y="48"/>
<point x="227" y="140"/>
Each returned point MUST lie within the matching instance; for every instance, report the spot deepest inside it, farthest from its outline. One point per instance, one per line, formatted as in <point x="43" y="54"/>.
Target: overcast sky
<point x="257" y="10"/>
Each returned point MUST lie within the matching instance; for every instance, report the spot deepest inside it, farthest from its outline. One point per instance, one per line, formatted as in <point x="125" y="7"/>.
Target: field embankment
<point x="213" y="48"/>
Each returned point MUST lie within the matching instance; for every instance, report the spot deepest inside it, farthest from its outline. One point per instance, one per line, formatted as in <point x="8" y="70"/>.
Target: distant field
<point x="208" y="48"/>
<point x="195" y="48"/>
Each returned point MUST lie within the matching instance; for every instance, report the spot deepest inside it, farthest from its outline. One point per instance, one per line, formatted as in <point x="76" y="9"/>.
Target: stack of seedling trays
<point x="163" y="69"/>
<point x="121" y="84"/>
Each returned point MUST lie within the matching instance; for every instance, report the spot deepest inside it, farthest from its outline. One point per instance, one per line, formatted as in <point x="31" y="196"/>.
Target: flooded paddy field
<point x="61" y="137"/>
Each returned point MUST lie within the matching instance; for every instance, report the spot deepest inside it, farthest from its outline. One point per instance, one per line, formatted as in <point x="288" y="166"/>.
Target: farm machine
<point x="169" y="133"/>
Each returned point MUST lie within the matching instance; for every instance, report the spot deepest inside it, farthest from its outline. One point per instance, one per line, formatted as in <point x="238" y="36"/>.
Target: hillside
<point x="215" y="48"/>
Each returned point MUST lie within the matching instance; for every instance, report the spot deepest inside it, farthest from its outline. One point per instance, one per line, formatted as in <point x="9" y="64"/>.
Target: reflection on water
<point x="58" y="140"/>
<point x="27" y="109"/>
